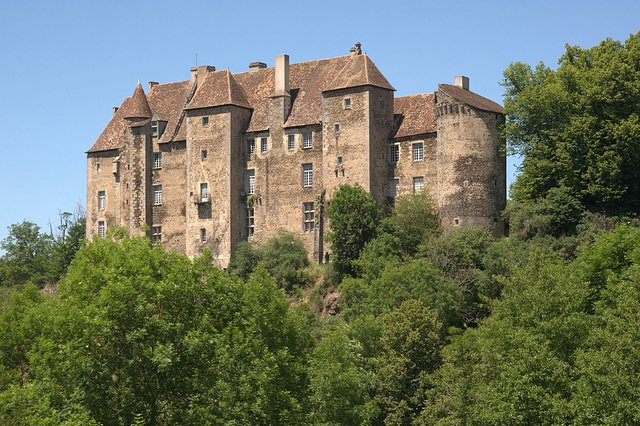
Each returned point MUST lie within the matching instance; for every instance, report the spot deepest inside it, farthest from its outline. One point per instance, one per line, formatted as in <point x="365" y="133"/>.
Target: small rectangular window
<point x="98" y="168"/>
<point x="251" y="146"/>
<point x="291" y="142"/>
<point x="101" y="230"/>
<point x="205" y="121"/>
<point x="339" y="161"/>
<point x="154" y="128"/>
<point x="263" y="145"/>
<point x="204" y="192"/>
<point x="250" y="221"/>
<point x="308" y="140"/>
<point x="156" y="234"/>
<point x="102" y="198"/>
<point x="204" y="154"/>
<point x="203" y="235"/>
<point x="307" y="175"/>
<point x="394" y="153"/>
<point x="337" y="128"/>
<point x="251" y="181"/>
<point x="347" y="103"/>
<point x="157" y="195"/>
<point x="393" y="187"/>
<point x="309" y="217"/>
<point x="418" y="184"/>
<point x="418" y="152"/>
<point x="157" y="160"/>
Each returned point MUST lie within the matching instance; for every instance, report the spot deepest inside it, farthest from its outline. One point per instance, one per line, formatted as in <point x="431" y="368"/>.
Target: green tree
<point x="28" y="256"/>
<point x="578" y="126"/>
<point x="353" y="219"/>
<point x="414" y="220"/>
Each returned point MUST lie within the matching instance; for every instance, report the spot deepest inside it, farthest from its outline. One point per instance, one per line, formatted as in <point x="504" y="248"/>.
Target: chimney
<point x="282" y="75"/>
<point x="352" y="51"/>
<point x="255" y="66"/>
<point x="462" y="82"/>
<point x="198" y="73"/>
<point x="151" y="84"/>
<point x="115" y="109"/>
<point x="358" y="48"/>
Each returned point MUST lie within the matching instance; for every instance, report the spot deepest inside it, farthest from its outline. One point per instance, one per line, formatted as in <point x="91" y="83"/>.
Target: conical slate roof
<point x="138" y="107"/>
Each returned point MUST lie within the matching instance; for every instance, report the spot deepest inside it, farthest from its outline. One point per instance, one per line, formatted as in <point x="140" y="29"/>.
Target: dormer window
<point x="154" y="128"/>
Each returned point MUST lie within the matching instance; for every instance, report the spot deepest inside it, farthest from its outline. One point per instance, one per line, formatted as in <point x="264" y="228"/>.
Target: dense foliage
<point x="539" y="327"/>
<point x="578" y="126"/>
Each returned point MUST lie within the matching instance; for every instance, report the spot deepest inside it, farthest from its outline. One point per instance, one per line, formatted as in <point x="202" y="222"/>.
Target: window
<point x="101" y="229"/>
<point x="251" y="146"/>
<point x="347" y="103"/>
<point x="204" y="192"/>
<point x="337" y="128"/>
<point x="291" y="140"/>
<point x="309" y="217"/>
<point x="394" y="153"/>
<point x="157" y="195"/>
<point x="250" y="221"/>
<point x="308" y="140"/>
<point x="339" y="161"/>
<point x="157" y="160"/>
<point x="203" y="154"/>
<point x="98" y="167"/>
<point x="203" y="235"/>
<point x="102" y="198"/>
<point x="263" y="145"/>
<point x="456" y="221"/>
<point x="156" y="234"/>
<point x="381" y="104"/>
<point x="418" y="152"/>
<point x="251" y="182"/>
<point x="418" y="184"/>
<point x="393" y="188"/>
<point x="154" y="128"/>
<point x="205" y="121"/>
<point x="307" y="175"/>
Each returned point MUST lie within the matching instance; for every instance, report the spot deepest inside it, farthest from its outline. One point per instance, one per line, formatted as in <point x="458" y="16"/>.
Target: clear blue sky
<point x="64" y="64"/>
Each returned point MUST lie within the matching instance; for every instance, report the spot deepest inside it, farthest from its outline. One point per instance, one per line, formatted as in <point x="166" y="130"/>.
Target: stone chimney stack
<point x="151" y="84"/>
<point x="282" y="75"/>
<point x="198" y="73"/>
<point x="462" y="82"/>
<point x="255" y="66"/>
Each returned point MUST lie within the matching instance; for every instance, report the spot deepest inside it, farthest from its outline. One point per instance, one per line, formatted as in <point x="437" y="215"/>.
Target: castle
<point x="222" y="157"/>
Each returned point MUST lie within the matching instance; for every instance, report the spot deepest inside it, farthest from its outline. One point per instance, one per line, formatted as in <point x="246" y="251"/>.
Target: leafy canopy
<point x="579" y="125"/>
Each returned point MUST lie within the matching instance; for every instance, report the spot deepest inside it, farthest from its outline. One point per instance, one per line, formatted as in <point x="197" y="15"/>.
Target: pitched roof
<point x="138" y="107"/>
<point x="416" y="115"/>
<point x="219" y="88"/>
<point x="359" y="71"/>
<point x="165" y="100"/>
<point x="470" y="98"/>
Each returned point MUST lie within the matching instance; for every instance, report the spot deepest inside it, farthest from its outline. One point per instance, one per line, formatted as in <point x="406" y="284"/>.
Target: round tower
<point x="471" y="163"/>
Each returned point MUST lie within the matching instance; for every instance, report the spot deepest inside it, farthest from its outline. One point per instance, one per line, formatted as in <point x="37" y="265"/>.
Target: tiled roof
<point x="138" y="107"/>
<point x="359" y="71"/>
<point x="166" y="100"/>
<point x="416" y="115"/>
<point x="470" y="98"/>
<point x="219" y="88"/>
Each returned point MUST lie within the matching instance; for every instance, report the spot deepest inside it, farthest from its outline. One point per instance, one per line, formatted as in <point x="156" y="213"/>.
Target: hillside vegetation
<point x="404" y="326"/>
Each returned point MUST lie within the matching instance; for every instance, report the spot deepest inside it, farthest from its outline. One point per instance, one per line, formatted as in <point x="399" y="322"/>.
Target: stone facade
<point x="222" y="157"/>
